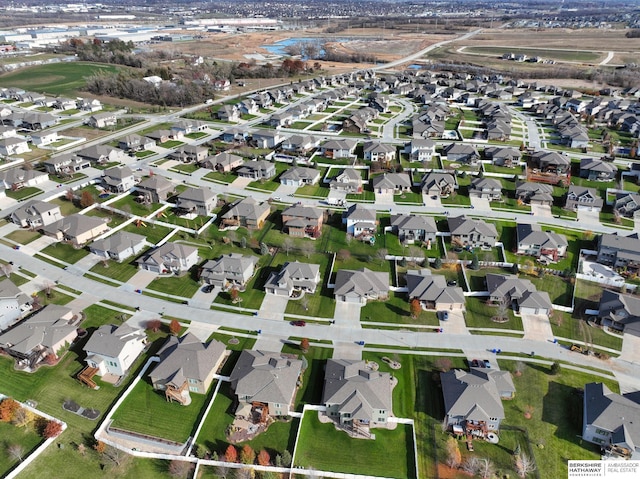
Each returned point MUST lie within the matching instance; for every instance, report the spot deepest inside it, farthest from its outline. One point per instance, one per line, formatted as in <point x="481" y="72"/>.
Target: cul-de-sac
<point x="363" y="240"/>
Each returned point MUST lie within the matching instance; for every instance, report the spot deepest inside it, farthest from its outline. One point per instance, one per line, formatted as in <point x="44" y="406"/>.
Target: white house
<point x="113" y="349"/>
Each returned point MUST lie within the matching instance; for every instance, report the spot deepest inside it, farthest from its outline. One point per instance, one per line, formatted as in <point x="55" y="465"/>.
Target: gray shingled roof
<point x="358" y="212"/>
<point x="109" y="339"/>
<point x="44" y="328"/>
<point x="427" y="287"/>
<point x="247" y="208"/>
<point x="414" y="222"/>
<point x="117" y="242"/>
<point x="361" y="282"/>
<point x="462" y="225"/>
<point x="611" y="412"/>
<point x="74" y="225"/>
<point x="529" y="234"/>
<point x="299" y="173"/>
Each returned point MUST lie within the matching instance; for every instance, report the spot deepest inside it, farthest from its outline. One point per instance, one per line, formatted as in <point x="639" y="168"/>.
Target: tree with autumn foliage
<point x="416" y="308"/>
<point x="174" y="327"/>
<point x="52" y="429"/>
<point x="8" y="408"/>
<point x="304" y="345"/>
<point x="247" y="455"/>
<point x="231" y="454"/>
<point x="154" y="325"/>
<point x="264" y="459"/>
<point x="100" y="447"/>
<point x="86" y="199"/>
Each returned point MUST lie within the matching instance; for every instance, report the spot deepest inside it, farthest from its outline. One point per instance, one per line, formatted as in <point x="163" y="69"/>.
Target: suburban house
<point x="247" y="213"/>
<point x="159" y="136"/>
<point x="338" y="148"/>
<point x="13" y="303"/>
<point x="133" y="142"/>
<point x="76" y="229"/>
<point x="257" y="170"/>
<point x="620" y="312"/>
<point x="101" y="154"/>
<point x="223" y="162"/>
<point x="532" y="193"/>
<point x="583" y="198"/>
<point x="547" y="246"/>
<point x="473" y="400"/>
<point x="356" y="396"/>
<point x="170" y="258"/>
<point x="103" y="120"/>
<point x="520" y="293"/>
<point x="44" y="138"/>
<point x="502" y="156"/>
<point x="265" y="384"/>
<point x="42" y="334"/>
<point x="112" y="350"/>
<point x="486" y="188"/>
<point x="303" y="221"/>
<point x="627" y="204"/>
<point x="155" y="189"/>
<point x="230" y="270"/>
<point x="438" y="185"/>
<point x="118" y="179"/>
<point x="472" y="233"/>
<point x="360" y="221"/>
<point x="432" y="291"/>
<point x="619" y="251"/>
<point x="380" y="152"/>
<point x="420" y="149"/>
<point x="392" y="183"/>
<point x="67" y="164"/>
<point x="16" y="178"/>
<point x="461" y="153"/>
<point x="412" y="228"/>
<point x="187" y="365"/>
<point x="549" y="167"/>
<point x="300" y="176"/>
<point x="361" y="285"/>
<point x="267" y="138"/>
<point x="612" y="421"/>
<point x="118" y="246"/>
<point x="299" y="144"/>
<point x="187" y="127"/>
<point x="13" y="146"/>
<point x="293" y="276"/>
<point x="348" y="180"/>
<point x="190" y="154"/>
<point x="597" y="170"/>
<point x="229" y="113"/>
<point x="196" y="201"/>
<point x="36" y="214"/>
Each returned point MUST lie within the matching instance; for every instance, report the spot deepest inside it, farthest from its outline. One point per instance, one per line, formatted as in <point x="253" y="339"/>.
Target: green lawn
<point x="310" y="392"/>
<point x="184" y="286"/>
<point x="220" y="177"/>
<point x="23" y="236"/>
<point x="25" y="437"/>
<point x="152" y="232"/>
<point x="409" y="197"/>
<point x="65" y="252"/>
<point x="66" y="207"/>
<point x="323" y="448"/>
<point x="171" y="144"/>
<point x="119" y="271"/>
<point x="479" y="314"/>
<point x="146" y="411"/>
<point x="129" y="205"/>
<point x="395" y="310"/>
<point x="560" y="290"/>
<point x="23" y="193"/>
<point x="64" y="78"/>
<point x="313" y="190"/>
<point x="278" y="438"/>
<point x="458" y="198"/>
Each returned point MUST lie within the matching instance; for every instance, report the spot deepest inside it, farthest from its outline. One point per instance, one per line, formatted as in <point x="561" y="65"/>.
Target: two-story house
<point x="247" y="213"/>
<point x="293" y="276"/>
<point x="228" y="271"/>
<point x="196" y="201"/>
<point x="302" y="221"/>
<point x="473" y="233"/>
<point x="547" y="246"/>
<point x="169" y="258"/>
<point x="112" y="350"/>
<point x="412" y="228"/>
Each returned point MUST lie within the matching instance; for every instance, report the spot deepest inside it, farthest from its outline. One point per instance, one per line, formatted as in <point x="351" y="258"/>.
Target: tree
<point x="264" y="249"/>
<point x="174" y="327"/>
<point x="475" y="264"/>
<point x="82" y="449"/>
<point x="437" y="264"/>
<point x="8" y="407"/>
<point x="286" y="458"/>
<point x="264" y="459"/>
<point x="22" y="417"/>
<point x="470" y="465"/>
<point x="503" y="308"/>
<point x="52" y="429"/>
<point x="234" y="294"/>
<point x="287" y="245"/>
<point x="416" y="308"/>
<point x="528" y="411"/>
<point x="154" y="325"/>
<point x="307" y="249"/>
<point x="454" y="457"/>
<point x="15" y="451"/>
<point x="381" y="254"/>
<point x="555" y="368"/>
<point x="179" y="468"/>
<point x="443" y="364"/>
<point x="86" y="199"/>
<point x="524" y="464"/>
<point x="231" y="454"/>
<point x="304" y="302"/>
<point x="247" y="455"/>
<point x="486" y="468"/>
<point x="304" y="345"/>
<point x="69" y="196"/>
<point x="100" y="447"/>
<point x="243" y="242"/>
<point x="519" y="368"/>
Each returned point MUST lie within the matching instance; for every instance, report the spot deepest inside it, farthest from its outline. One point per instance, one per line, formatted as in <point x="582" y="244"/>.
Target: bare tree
<point x="307" y="249"/>
<point x="486" y="468"/>
<point x="287" y="245"/>
<point x="344" y="255"/>
<point x="223" y="472"/>
<point x="15" y="451"/>
<point x="416" y="254"/>
<point x="524" y="464"/>
<point x="304" y="302"/>
<point x="179" y="468"/>
<point x="7" y="269"/>
<point x="470" y="465"/>
<point x="503" y="308"/>
<point x="381" y="254"/>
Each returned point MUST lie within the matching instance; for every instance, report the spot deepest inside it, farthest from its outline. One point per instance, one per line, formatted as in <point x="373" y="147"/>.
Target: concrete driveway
<point x="541" y="211"/>
<point x="346" y="350"/>
<point x="482" y="204"/>
<point x="347" y="314"/>
<point x="384" y="199"/>
<point x="140" y="280"/>
<point x="241" y="182"/>
<point x="630" y="349"/>
<point x="455" y="324"/>
<point x="266" y="342"/>
<point x="273" y="306"/>
<point x="537" y="327"/>
<point x="589" y="218"/>
<point x="431" y="202"/>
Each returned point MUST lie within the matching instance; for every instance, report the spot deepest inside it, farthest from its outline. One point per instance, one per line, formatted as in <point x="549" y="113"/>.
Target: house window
<point x="192" y="381"/>
<point x="193" y="389"/>
<point x="602" y="432"/>
<point x="347" y="415"/>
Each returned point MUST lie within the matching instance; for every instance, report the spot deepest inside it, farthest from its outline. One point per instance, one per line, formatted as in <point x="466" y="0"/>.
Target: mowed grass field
<point x="57" y="78"/>
<point x="550" y="53"/>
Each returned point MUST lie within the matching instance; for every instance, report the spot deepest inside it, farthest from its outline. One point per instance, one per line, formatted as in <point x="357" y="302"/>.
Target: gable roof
<point x="118" y="242"/>
<point x="532" y="234"/>
<point x="461" y="225"/>
<point x="74" y="225"/>
<point x="414" y="222"/>
<point x="358" y="212"/>
<point x="423" y="285"/>
<point x="45" y="328"/>
<point x="168" y="254"/>
<point x="360" y="282"/>
<point x="109" y="340"/>
<point x="612" y="412"/>
<point x="247" y="208"/>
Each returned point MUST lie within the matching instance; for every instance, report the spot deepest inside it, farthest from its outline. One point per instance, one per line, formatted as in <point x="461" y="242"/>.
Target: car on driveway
<point x="298" y="323"/>
<point x="444" y="315"/>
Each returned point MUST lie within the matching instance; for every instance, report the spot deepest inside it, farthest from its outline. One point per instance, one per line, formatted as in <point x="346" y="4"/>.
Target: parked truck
<point x="336" y="202"/>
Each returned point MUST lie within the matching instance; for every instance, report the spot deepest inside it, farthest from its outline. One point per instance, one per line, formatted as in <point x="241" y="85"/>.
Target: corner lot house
<point x="76" y="229"/>
<point x="40" y="335"/>
<point x="13" y="303"/>
<point x="230" y="270"/>
<point x="473" y="399"/>
<point x="355" y="396"/>
<point x="432" y="291"/>
<point x="187" y="365"/>
<point x="119" y="246"/>
<point x="112" y="350"/>
<point x="35" y="214"/>
<point x="294" y="276"/>
<point x="170" y="258"/>
<point x="265" y="384"/>
<point x="612" y="421"/>
<point x="361" y="286"/>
